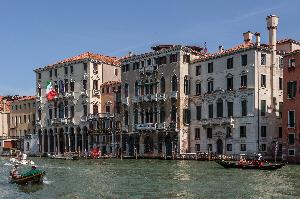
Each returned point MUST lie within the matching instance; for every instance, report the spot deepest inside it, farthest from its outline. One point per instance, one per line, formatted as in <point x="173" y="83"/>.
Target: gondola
<point x="33" y="178"/>
<point x="250" y="165"/>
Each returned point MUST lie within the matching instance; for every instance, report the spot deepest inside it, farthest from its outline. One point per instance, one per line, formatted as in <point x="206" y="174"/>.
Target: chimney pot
<point x="247" y="37"/>
<point x="257" y="35"/>
<point x="221" y="48"/>
<point x="129" y="53"/>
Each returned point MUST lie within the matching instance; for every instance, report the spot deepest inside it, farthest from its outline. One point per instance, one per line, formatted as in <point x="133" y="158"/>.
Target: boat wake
<point x="53" y="167"/>
<point x="46" y="181"/>
<point x="7" y="164"/>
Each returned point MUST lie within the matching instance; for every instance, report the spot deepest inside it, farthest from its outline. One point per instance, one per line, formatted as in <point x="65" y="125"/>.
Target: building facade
<point x="66" y="118"/>
<point x="236" y="97"/>
<point x="291" y="106"/>
<point x="155" y="88"/>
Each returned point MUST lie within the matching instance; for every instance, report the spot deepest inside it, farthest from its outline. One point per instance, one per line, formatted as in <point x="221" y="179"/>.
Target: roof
<point x="292" y="53"/>
<point x="88" y="55"/>
<point x="24" y="98"/>
<point x="288" y="40"/>
<point x="109" y="83"/>
<point x="243" y="46"/>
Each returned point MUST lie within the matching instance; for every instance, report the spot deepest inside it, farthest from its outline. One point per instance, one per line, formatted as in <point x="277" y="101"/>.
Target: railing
<point x="146" y="126"/>
<point x="96" y="92"/>
<point x="161" y="96"/>
<point x="125" y="100"/>
<point x="173" y="94"/>
<point x="147" y="98"/>
<point x="162" y="126"/>
<point x="83" y="118"/>
<point x="141" y="70"/>
<point x="153" y="97"/>
<point x="100" y="115"/>
<point x="217" y="121"/>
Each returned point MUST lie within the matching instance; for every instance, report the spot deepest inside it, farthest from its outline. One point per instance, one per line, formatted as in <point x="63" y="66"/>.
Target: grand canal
<point x="114" y="178"/>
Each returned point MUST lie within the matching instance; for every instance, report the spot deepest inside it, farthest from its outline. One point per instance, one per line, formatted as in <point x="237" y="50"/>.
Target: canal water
<point x="114" y="178"/>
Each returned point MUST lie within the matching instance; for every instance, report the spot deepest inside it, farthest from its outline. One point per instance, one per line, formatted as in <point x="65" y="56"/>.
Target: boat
<point x="263" y="165"/>
<point x="22" y="162"/>
<point x="31" y="177"/>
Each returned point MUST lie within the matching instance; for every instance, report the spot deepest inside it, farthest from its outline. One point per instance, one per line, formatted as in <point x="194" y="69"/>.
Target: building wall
<point x="291" y="74"/>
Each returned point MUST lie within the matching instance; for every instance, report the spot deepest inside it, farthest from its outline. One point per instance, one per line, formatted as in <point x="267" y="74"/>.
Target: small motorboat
<point x="22" y="162"/>
<point x="250" y="165"/>
<point x="33" y="177"/>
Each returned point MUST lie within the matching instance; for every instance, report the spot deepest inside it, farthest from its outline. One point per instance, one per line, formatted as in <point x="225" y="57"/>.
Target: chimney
<point x="247" y="37"/>
<point x="272" y="23"/>
<point x="221" y="48"/>
<point x="257" y="38"/>
<point x="129" y="54"/>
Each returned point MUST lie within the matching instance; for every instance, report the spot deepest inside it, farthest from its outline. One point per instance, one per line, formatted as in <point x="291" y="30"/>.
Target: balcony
<point x="125" y="100"/>
<point x="153" y="97"/>
<point x="174" y="94"/>
<point x="162" y="126"/>
<point x="161" y="96"/>
<point x="57" y="121"/>
<point x="97" y="116"/>
<point x="96" y="92"/>
<point x="147" y="98"/>
<point x="226" y="121"/>
<point x="83" y="118"/>
<point x="85" y="76"/>
<point x="146" y="126"/>
<point x="141" y="70"/>
<point x="173" y="126"/>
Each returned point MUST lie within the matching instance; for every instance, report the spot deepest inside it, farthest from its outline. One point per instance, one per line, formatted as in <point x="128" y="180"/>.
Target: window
<point x="197" y="146"/>
<point x="174" y="83"/>
<point x="85" y="67"/>
<point x="263" y="107"/>
<point x="230" y="83"/>
<point x="186" y="58"/>
<point x="291" y="119"/>
<point x="244" y="60"/>
<point x="280" y="148"/>
<point x="291" y="138"/>
<point x="279" y="132"/>
<point x="198" y="70"/>
<point x="263" y="59"/>
<point x="210" y="86"/>
<point x="210" y="67"/>
<point x="210" y="111"/>
<point x="136" y="116"/>
<point x="228" y="132"/>
<point x="263" y="147"/>
<point x="126" y="91"/>
<point x="229" y="147"/>
<point x="116" y="72"/>
<point x="263" y="80"/>
<point x="84" y="110"/>
<point x="71" y="69"/>
<point x="162" y="114"/>
<point x="280" y="83"/>
<point x="149" y="62"/>
<point x="71" y="86"/>
<point x="125" y="68"/>
<point x="173" y="58"/>
<point x="263" y="131"/>
<point x="291" y="152"/>
<point x="280" y="109"/>
<point x="198" y="112"/>
<point x="230" y="109"/>
<point x="230" y="63"/>
<point x="39" y="76"/>
<point x="186" y="85"/>
<point x="84" y="82"/>
<point x="25" y="119"/>
<point x="243" y="132"/>
<point x="95" y="84"/>
<point x="186" y="116"/>
<point x="292" y="63"/>
<point x="220" y="108"/>
<point x="66" y="85"/>
<point x="197" y="133"/>
<point x="55" y="72"/>
<point x="107" y="109"/>
<point x="243" y="81"/>
<point x="61" y="110"/>
<point x="209" y="147"/>
<point x="72" y="111"/>
<point x="198" y="88"/>
<point x="244" y="107"/>
<point x="162" y="85"/>
<point x="126" y="117"/>
<point x="66" y="70"/>
<point x="291" y="89"/>
<point x="243" y="147"/>
<point x="174" y="114"/>
<point x="209" y="132"/>
<point x="50" y="73"/>
<point x="135" y="65"/>
<point x="66" y="109"/>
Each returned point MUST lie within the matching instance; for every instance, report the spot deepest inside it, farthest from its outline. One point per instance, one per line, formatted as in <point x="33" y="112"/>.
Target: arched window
<point x="219" y="108"/>
<point x="136" y="116"/>
<point x="162" y="85"/>
<point x="174" y="114"/>
<point x="95" y="109"/>
<point x="151" y="87"/>
<point x="142" y="116"/>
<point x="126" y="89"/>
<point x="186" y="85"/>
<point x="174" y="83"/>
<point x="61" y="110"/>
<point x="162" y="114"/>
<point x="147" y="87"/>
<point x="136" y="88"/>
<point x="126" y="117"/>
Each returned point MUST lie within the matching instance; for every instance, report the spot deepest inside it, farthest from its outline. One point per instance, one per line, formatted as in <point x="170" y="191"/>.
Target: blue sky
<point x="36" y="33"/>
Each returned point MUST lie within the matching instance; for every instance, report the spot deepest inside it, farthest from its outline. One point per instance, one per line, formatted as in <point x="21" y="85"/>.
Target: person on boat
<point x="24" y="156"/>
<point x="14" y="173"/>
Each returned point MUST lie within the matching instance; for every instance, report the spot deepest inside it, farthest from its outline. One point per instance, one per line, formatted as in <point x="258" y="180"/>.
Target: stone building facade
<point x="236" y="97"/>
<point x="155" y="88"/>
<point x="66" y="122"/>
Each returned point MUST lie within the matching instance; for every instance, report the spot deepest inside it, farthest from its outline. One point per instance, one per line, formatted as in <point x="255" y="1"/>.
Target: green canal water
<point x="114" y="178"/>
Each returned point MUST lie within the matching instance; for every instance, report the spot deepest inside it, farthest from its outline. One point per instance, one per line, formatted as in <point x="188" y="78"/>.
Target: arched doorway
<point x="61" y="141"/>
<point x="45" y="141"/>
<point x="148" y="144"/>
<point x="131" y="146"/>
<point x="72" y="140"/>
<point x="168" y="145"/>
<point x="219" y="147"/>
<point x="51" y="141"/>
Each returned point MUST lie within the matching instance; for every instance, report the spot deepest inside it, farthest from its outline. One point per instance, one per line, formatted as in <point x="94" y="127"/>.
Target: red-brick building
<point x="291" y="107"/>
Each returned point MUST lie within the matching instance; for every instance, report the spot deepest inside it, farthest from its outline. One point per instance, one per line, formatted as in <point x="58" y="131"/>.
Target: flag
<point x="50" y="92"/>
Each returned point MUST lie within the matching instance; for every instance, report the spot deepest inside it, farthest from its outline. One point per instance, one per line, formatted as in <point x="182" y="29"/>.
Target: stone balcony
<point x="224" y="121"/>
<point x="97" y="116"/>
<point x="146" y="126"/>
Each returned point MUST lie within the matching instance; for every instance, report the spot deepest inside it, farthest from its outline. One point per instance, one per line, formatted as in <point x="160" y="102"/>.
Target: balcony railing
<point x="96" y="92"/>
<point x="218" y="121"/>
<point x="100" y="115"/>
<point x="83" y="118"/>
<point x="147" y="98"/>
<point x="174" y="94"/>
<point x="146" y="126"/>
<point x="161" y="96"/>
<point x="153" y="97"/>
<point x="162" y="126"/>
<point x="125" y="100"/>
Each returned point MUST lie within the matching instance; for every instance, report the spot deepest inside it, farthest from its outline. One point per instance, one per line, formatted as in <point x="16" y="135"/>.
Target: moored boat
<point x="32" y="177"/>
<point x="250" y="165"/>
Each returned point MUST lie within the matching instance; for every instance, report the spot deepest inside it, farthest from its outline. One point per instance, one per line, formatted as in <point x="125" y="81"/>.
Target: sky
<point x="36" y="33"/>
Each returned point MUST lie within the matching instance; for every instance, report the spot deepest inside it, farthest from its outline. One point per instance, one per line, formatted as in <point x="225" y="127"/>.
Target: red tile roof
<point x="288" y="40"/>
<point x="23" y="98"/>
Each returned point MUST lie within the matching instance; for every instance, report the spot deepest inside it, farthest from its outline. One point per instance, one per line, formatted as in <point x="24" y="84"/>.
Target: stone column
<point x="49" y="142"/>
<point x="75" y="146"/>
<point x="65" y="142"/>
<point x="82" y="142"/>
<point x="54" y="144"/>
<point x="164" y="148"/>
<point x="69" y="141"/>
<point x="43" y="143"/>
